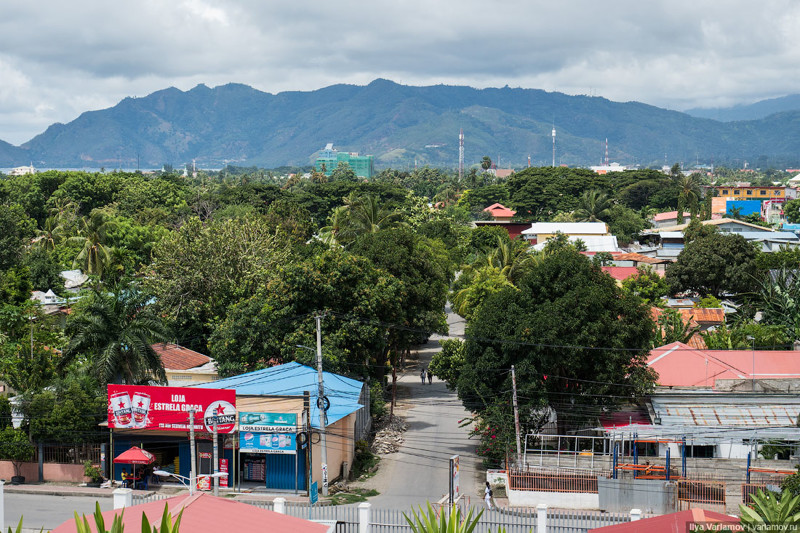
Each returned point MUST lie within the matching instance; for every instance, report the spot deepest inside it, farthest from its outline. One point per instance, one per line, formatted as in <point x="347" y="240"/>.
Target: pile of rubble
<point x="390" y="436"/>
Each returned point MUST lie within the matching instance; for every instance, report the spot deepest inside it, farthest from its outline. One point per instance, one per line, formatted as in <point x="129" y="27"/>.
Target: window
<point x="763" y="192"/>
<point x="749" y="193"/>
<point x="736" y="191"/>
<point x="724" y="191"/>
<point x="706" y="452"/>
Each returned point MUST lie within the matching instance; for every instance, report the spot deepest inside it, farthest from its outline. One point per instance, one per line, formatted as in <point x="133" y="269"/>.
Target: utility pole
<point x="216" y="458"/>
<point x="516" y="415"/>
<point x="192" y="456"/>
<point x="321" y="406"/>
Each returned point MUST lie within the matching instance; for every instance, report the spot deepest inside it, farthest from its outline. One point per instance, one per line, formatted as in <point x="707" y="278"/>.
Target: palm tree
<point x="358" y="216"/>
<point x="49" y="234"/>
<point x="486" y="163"/>
<point x="593" y="206"/>
<point x="114" y="332"/>
<point x="688" y="194"/>
<point x="94" y="256"/>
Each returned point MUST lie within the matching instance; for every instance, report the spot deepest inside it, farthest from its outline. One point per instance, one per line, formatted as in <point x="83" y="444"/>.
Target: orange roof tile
<point x="501" y="211"/>
<point x="639" y="258"/>
<point x="176" y="357"/>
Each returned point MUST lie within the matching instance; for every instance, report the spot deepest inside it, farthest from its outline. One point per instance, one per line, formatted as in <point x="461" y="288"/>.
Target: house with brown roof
<point x="184" y="366"/>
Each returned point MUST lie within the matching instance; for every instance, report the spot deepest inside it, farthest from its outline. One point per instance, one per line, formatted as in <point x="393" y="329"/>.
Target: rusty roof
<point x="177" y="357"/>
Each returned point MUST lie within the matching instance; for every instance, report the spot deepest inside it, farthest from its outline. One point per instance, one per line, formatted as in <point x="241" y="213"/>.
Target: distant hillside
<point x="10" y="155"/>
<point x="755" y="111"/>
<point x="399" y="125"/>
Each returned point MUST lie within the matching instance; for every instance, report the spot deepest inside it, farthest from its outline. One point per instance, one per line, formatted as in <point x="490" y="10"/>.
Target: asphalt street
<point x="419" y="471"/>
<point x="40" y="511"/>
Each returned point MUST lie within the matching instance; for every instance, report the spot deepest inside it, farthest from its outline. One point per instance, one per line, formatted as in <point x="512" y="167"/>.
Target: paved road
<point x="419" y="471"/>
<point x="47" y="511"/>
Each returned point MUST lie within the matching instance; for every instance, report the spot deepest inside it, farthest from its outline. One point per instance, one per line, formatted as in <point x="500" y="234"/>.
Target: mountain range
<point x="401" y="126"/>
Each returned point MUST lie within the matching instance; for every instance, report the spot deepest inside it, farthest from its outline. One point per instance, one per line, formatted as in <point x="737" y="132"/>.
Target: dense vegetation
<point x="238" y="263"/>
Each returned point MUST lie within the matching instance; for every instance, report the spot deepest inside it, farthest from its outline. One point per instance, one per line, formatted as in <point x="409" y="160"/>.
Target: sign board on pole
<point x="167" y="408"/>
<point x="268" y="422"/>
<point x="455" y="490"/>
<point x="283" y="443"/>
<point x="313" y="494"/>
<point x="223" y="468"/>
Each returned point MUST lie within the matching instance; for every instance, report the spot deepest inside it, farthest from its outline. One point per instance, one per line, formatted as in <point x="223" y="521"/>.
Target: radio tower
<point x="554" y="146"/>
<point x="529" y="161"/>
<point x="461" y="154"/>
<point x="606" y="151"/>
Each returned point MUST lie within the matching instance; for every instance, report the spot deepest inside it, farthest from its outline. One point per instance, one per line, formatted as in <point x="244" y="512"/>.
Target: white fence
<point x="363" y="518"/>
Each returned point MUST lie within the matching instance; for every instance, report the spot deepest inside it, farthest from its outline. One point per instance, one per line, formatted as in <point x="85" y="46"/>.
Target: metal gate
<point x="709" y="495"/>
<point x="281" y="470"/>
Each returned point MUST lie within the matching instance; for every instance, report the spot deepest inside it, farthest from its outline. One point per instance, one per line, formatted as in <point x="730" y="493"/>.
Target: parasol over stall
<point x="135" y="456"/>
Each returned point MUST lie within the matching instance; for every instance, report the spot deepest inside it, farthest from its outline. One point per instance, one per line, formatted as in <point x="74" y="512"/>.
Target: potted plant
<point x="94" y="474"/>
<point x="15" y="447"/>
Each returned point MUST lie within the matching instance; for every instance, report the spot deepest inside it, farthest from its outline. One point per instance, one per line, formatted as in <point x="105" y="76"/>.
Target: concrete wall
<point x="340" y="446"/>
<point x="52" y="472"/>
<point x="650" y="495"/>
<point x="560" y="500"/>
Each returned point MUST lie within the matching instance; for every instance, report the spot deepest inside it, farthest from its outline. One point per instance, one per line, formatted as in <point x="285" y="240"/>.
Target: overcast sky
<point x="58" y="59"/>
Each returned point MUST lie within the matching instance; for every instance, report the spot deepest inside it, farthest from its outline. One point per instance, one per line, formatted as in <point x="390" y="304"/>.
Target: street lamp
<point x="753" y="375"/>
<point x="185" y="480"/>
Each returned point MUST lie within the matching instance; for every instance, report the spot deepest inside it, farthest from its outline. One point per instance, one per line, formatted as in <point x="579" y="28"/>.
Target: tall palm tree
<point x="688" y="194"/>
<point x="593" y="206"/>
<point x="50" y="233"/>
<point x="368" y="215"/>
<point x="94" y="256"/>
<point x="114" y="333"/>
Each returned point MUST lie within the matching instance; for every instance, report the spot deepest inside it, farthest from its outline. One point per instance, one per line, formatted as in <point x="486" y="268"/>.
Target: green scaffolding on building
<point x="329" y="159"/>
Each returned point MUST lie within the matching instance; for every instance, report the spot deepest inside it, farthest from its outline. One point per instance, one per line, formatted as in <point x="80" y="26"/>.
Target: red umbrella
<point x="135" y="456"/>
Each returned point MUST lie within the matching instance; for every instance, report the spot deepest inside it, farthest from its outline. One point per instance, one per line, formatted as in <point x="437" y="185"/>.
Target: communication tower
<point x="460" y="154"/>
<point x="606" y="151"/>
<point x="554" y="146"/>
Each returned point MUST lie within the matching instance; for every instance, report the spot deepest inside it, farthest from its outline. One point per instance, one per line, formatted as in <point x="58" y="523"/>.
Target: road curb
<point x="67" y="491"/>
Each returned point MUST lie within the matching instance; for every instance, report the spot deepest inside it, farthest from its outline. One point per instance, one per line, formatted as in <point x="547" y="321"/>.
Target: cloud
<point x="61" y="59"/>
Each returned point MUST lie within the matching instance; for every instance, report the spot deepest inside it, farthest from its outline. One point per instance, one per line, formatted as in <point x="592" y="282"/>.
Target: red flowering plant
<point x="494" y="427"/>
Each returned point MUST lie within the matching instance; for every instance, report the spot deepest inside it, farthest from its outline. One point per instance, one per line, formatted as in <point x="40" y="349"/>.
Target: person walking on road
<point x="422" y="375"/>
<point x="487" y="496"/>
<point x="430" y="377"/>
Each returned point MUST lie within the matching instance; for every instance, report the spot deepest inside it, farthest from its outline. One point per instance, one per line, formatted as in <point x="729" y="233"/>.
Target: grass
<point x="354" y="496"/>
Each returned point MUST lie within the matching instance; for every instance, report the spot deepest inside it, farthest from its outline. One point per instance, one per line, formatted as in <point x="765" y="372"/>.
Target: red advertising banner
<point x="167" y="408"/>
<point x="223" y="467"/>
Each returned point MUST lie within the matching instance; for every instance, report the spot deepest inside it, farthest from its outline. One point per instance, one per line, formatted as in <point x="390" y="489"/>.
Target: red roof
<point x="669" y="215"/>
<point x="680" y="365"/>
<point x="500" y="211"/>
<point x="669" y="523"/>
<point x="696" y="315"/>
<point x="620" y="273"/>
<point x="176" y="357"/>
<point x="203" y="512"/>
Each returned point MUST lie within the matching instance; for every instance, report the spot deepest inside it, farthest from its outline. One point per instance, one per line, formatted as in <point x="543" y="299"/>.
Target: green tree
<point x="114" y="332"/>
<point x="486" y="163"/>
<point x="28" y="346"/>
<point x="625" y="223"/>
<point x="15" y="447"/>
<point x="446" y="364"/>
<point x="94" y="256"/>
<point x="69" y="411"/>
<point x="593" y="206"/>
<point x="484" y="282"/>
<point x="688" y="194"/>
<point x="44" y="272"/>
<point x="792" y="211"/>
<point x="343" y="172"/>
<point x="479" y="198"/>
<point x="552" y="329"/>
<point x="697" y="229"/>
<point x="647" y="284"/>
<point x="484" y="239"/>
<point x="716" y="265"/>
<point x="199" y="271"/>
<point x="16" y="231"/>
<point x="356" y="299"/>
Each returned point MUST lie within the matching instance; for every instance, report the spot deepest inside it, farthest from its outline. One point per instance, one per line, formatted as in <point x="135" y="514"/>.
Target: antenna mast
<point x="461" y="154"/>
<point x="606" y="151"/>
<point x="554" y="145"/>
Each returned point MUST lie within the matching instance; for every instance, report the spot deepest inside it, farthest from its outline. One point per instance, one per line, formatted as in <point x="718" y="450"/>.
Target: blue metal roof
<point x="292" y="379"/>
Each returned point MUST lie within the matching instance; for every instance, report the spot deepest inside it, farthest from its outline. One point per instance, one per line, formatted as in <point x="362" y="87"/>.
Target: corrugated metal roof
<point x="568" y="228"/>
<point x="292" y="379"/>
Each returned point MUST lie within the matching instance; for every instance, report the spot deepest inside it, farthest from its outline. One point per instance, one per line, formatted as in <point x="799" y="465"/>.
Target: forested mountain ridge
<point x="398" y="124"/>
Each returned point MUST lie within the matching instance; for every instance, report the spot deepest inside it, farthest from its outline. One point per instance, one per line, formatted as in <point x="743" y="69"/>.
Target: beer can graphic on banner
<point x="121" y="407"/>
<point x="141" y="407"/>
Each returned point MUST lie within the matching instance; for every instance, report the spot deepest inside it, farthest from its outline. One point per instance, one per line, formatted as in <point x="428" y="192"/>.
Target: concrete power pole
<point x="321" y="407"/>
<point x="516" y="415"/>
<point x="192" y="454"/>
